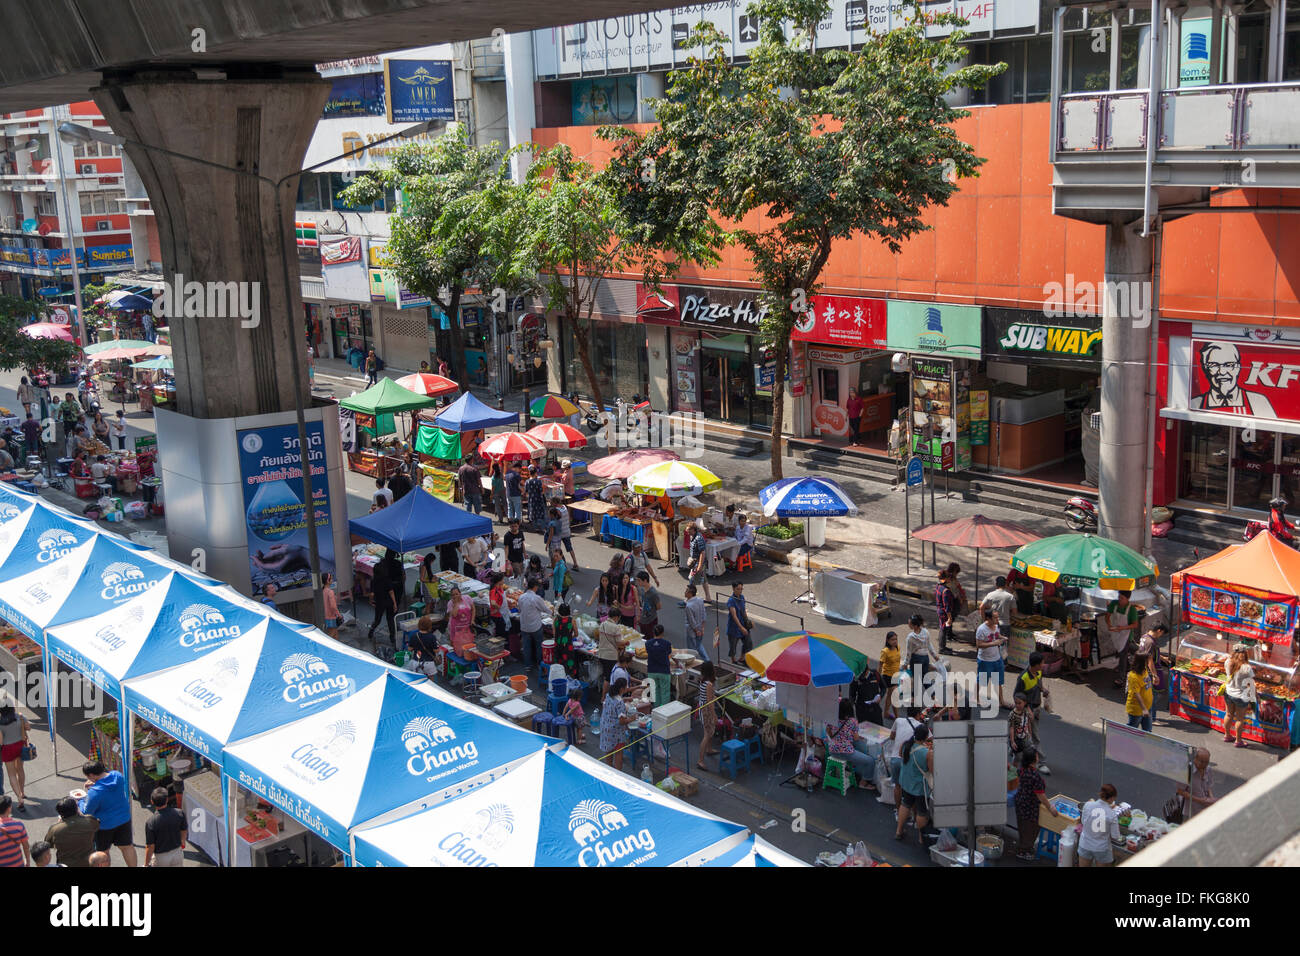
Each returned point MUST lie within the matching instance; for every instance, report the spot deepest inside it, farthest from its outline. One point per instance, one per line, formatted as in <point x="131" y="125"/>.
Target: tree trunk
<point x="782" y="346"/>
<point x="582" y="339"/>
<point x="459" y="371"/>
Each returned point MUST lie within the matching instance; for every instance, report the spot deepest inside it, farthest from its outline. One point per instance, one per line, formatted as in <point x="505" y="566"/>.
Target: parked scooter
<point x="1081" y="514"/>
<point x="1277" y="523"/>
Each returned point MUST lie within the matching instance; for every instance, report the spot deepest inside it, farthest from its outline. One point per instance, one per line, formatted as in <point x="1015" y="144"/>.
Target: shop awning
<point x="1231" y="421"/>
<point x="1262" y="564"/>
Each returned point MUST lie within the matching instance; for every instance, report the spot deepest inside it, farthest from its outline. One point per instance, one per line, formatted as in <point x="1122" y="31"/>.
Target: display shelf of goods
<point x="1200" y="674"/>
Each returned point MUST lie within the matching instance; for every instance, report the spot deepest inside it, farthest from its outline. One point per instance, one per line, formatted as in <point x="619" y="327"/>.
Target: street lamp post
<point x="71" y="132"/>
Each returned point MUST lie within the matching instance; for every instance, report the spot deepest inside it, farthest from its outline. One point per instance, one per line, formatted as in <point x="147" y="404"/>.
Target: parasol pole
<point x="977" y="575"/>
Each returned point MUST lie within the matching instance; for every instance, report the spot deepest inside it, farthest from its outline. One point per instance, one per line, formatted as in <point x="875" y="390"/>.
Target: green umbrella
<point x="163" y="364"/>
<point x="105" y="345"/>
<point x="1085" y="560"/>
<point x="387" y="397"/>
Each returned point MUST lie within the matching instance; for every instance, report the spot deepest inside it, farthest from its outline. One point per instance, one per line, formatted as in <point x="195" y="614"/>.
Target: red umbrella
<point x="557" y="435"/>
<point x="977" y="532"/>
<point x="425" y="383"/>
<point x="47" y="330"/>
<point x="625" y="464"/>
<point x="511" y="446"/>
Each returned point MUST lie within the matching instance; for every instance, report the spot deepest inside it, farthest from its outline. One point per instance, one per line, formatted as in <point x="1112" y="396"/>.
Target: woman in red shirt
<point x="854" y="407"/>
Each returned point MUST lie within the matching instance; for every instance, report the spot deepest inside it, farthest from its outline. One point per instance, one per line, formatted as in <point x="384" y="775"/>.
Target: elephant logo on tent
<point x="9" y="512"/>
<point x="423" y="733"/>
<point x="119" y="572"/>
<point x="196" y="615"/>
<point x="298" y="667"/>
<point x="55" y="538"/>
<point x="495" y="825"/>
<point x="593" y="819"/>
<point x="337" y="737"/>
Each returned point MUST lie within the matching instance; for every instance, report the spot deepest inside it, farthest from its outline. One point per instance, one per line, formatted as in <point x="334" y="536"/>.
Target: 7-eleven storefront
<point x="1230" y="428"/>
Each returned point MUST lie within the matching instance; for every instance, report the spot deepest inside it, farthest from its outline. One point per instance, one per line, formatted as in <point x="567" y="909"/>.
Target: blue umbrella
<point x="806" y="496"/>
<point x="132" y="302"/>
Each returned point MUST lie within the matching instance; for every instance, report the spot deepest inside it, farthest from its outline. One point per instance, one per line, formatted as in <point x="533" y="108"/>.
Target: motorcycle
<point x="1278" y="506"/>
<point x="1081" y="514"/>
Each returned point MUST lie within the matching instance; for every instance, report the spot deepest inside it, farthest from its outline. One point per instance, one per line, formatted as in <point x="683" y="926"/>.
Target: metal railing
<point x="1255" y="116"/>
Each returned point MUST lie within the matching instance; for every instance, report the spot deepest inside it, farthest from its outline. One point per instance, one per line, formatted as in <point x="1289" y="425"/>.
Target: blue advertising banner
<point x="273" y="508"/>
<point x="359" y="95"/>
<point x="90" y="257"/>
<point x="419" y="90"/>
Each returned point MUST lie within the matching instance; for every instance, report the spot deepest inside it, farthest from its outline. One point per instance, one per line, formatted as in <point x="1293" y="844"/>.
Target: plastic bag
<point x="946" y="842"/>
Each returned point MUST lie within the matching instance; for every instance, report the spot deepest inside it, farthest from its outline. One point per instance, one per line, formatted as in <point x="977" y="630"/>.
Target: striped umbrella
<point x="676" y="479"/>
<point x="551" y="406"/>
<point x="558" y="435"/>
<point x="425" y="383"/>
<point x="511" y="446"/>
<point x="806" y="659"/>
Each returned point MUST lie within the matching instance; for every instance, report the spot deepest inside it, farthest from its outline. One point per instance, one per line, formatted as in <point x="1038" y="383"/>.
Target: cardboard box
<point x="1070" y="814"/>
<point x="687" y="786"/>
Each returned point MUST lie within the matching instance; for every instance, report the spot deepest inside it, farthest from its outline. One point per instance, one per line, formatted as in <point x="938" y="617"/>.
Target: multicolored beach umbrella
<point x="803" y="658"/>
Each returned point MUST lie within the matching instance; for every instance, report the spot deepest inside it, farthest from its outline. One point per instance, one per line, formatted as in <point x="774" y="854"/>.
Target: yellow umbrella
<point x="676" y="479"/>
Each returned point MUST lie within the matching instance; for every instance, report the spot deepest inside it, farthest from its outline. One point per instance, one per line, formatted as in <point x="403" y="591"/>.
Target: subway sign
<point x="1078" y="343"/>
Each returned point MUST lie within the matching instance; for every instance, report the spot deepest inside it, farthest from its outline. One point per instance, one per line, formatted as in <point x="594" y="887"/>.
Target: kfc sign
<point x="839" y="320"/>
<point x="1242" y="378"/>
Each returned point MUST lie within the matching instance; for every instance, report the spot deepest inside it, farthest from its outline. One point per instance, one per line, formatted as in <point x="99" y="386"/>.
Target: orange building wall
<point x="997" y="242"/>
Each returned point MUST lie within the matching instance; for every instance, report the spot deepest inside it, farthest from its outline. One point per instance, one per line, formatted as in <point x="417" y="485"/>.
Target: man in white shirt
<point x="532" y="608"/>
<point x="612" y="492"/>
<point x="988" y="654"/>
<point x="696" y="618"/>
<point x="1099" y="822"/>
<point x="382" y="491"/>
<point x="1002" y="601"/>
<point x="903" y="730"/>
<point x="474" y="551"/>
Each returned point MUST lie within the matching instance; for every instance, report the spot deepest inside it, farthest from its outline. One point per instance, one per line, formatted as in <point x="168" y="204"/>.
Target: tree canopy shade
<point x="582" y="228"/>
<point x="457" y="226"/>
<point x="20" y="351"/>
<point x="823" y="145"/>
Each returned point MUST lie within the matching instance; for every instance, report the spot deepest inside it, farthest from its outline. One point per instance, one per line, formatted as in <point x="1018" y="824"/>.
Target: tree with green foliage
<point x="20" y="351"/>
<point x="583" y="228"/>
<point x="457" y="224"/>
<point x="801" y="147"/>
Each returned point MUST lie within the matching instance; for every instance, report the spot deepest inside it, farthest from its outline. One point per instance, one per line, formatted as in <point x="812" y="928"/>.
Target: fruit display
<point x="19" y="645"/>
<point x="1033" y="622"/>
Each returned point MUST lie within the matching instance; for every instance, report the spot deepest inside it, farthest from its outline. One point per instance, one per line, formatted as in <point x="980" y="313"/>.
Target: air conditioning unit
<point x="103" y="225"/>
<point x="85" y="168"/>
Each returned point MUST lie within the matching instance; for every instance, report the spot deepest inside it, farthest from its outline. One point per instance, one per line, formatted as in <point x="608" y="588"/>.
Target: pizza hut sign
<point x="720" y="309"/>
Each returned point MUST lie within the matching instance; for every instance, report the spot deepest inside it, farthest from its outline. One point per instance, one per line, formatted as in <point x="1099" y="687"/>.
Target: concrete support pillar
<point x="217" y="226"/>
<point x="1127" y="312"/>
<point x="521" y="108"/>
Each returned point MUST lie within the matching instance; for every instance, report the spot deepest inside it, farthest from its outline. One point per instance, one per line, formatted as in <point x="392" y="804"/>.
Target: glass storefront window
<point x="1204" y="473"/>
<point x="1252" y="470"/>
<point x="618" y="357"/>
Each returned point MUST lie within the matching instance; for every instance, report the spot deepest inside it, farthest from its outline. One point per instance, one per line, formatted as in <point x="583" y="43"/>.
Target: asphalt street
<point x="804" y="824"/>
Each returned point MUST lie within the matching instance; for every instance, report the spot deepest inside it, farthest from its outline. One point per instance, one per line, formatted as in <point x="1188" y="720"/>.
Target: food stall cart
<point x="373" y="411"/>
<point x="1250" y="595"/>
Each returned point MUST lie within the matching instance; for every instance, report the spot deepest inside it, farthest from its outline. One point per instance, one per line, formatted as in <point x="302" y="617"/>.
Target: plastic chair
<point x="838" y="775"/>
<point x="744" y="562"/>
<point x="544" y="724"/>
<point x="1048" y="845"/>
<point x="733" y="757"/>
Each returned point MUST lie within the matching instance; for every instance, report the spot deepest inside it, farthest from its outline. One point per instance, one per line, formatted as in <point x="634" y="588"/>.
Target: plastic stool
<point x="745" y="561"/>
<point x="838" y="775"/>
<point x="471" y="683"/>
<point x="544" y="724"/>
<point x="640" y="745"/>
<point x="733" y="757"/>
<point x="568" y="726"/>
<point x="1048" y="845"/>
<point x="555" y="703"/>
<point x="753" y="749"/>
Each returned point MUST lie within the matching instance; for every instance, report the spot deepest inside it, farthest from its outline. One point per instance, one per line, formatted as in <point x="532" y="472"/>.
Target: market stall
<point x="553" y="810"/>
<point x="373" y="411"/>
<point x="815" y="499"/>
<point x="1067" y="625"/>
<point x="1245" y="595"/>
<point x="667" y="481"/>
<point x="390" y="746"/>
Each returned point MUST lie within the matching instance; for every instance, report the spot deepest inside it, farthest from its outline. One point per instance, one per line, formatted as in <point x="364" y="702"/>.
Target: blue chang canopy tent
<point x="132" y="302"/>
<point x="95" y="576"/>
<point x="266" y="675"/>
<point x="389" y="747"/>
<point x="467" y="414"/>
<point x="417" y="521"/>
<point x="756" y="852"/>
<point x="553" y="810"/>
<point x="33" y="535"/>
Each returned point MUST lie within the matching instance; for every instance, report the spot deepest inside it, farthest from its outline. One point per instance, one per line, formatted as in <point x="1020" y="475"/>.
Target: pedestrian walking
<point x="1238" y="694"/>
<point x="32" y="434"/>
<point x="536" y="495"/>
<point x="26" y="394"/>
<point x="696" y="617"/>
<point x="708" y="710"/>
<point x="1137" y="703"/>
<point x="471" y="487"/>
<point x="495" y="470"/>
<point x="1029" y="797"/>
<point x="15" y="734"/>
<point x="738" y="625"/>
<point x="372" y="368"/>
<point x="514" y="482"/>
<point x="946" y="604"/>
<point x="917" y="766"/>
<point x="164" y="833"/>
<point x="650" y="604"/>
<point x="14" y="848"/>
<point x="920" y="656"/>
